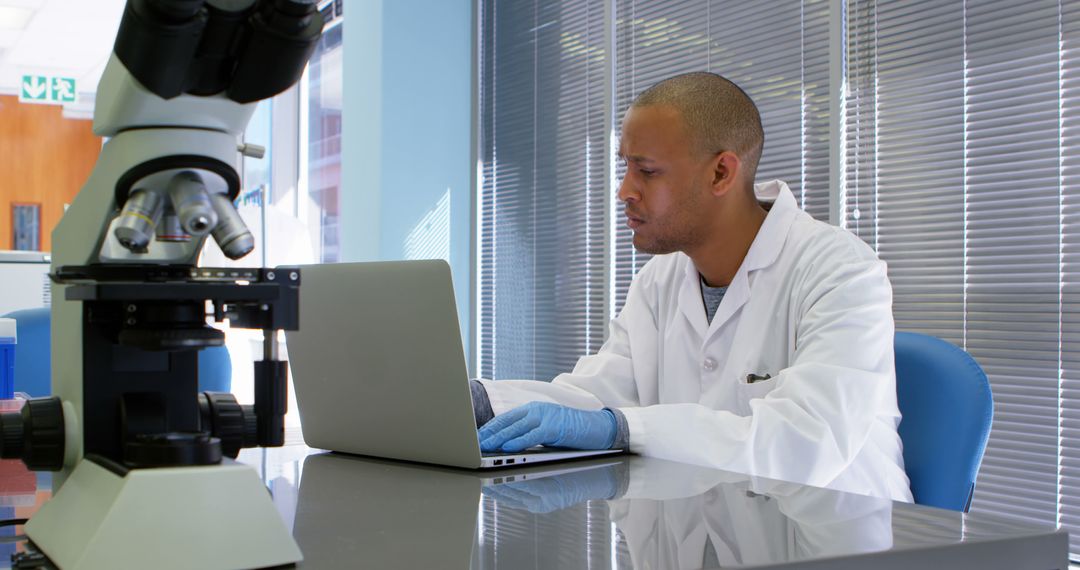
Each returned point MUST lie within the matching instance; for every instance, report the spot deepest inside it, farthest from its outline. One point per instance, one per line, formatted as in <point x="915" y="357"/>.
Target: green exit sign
<point x="47" y="89"/>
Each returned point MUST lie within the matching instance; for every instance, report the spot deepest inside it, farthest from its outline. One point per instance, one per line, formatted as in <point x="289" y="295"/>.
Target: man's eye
<point x="646" y="171"/>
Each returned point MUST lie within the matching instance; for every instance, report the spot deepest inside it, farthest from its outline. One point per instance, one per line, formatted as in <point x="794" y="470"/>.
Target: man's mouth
<point x="633" y="221"/>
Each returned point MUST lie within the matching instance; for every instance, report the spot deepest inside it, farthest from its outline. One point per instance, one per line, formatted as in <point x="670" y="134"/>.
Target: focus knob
<point x="11" y="435"/>
<point x="43" y="434"/>
<point x="226" y="422"/>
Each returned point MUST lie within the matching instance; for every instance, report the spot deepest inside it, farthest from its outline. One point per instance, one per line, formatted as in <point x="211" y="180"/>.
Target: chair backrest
<point x="944" y="397"/>
<point x="215" y="369"/>
<point x="33" y="362"/>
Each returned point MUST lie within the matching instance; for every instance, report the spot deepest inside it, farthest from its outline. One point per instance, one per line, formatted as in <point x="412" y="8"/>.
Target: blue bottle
<point x="7" y="358"/>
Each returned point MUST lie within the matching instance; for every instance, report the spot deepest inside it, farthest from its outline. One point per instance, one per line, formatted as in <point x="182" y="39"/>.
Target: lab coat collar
<point x="763" y="252"/>
<point x="773" y="232"/>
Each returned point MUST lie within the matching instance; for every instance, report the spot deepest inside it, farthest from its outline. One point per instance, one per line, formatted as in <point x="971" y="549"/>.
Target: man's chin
<point x="650" y="247"/>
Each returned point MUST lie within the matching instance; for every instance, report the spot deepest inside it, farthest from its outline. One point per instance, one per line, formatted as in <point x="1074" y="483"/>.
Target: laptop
<point x="379" y="369"/>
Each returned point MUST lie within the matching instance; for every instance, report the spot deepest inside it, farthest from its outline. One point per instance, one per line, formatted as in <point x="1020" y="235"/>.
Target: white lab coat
<point x="811" y="306"/>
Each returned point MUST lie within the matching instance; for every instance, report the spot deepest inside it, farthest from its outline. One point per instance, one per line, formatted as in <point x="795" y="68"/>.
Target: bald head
<point x="718" y="115"/>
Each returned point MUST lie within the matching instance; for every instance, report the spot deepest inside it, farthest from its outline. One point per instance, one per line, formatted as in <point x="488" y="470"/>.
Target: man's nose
<point x="626" y="191"/>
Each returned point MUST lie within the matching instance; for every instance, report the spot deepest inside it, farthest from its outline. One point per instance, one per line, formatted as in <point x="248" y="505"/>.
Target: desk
<point x="622" y="512"/>
<point x="395" y="515"/>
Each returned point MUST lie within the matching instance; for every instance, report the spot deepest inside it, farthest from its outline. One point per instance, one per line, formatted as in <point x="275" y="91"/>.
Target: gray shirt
<point x="711" y="296"/>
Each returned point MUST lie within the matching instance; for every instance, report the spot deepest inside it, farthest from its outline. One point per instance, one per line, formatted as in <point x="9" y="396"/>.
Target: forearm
<point x="481" y="403"/>
<point x="505" y="395"/>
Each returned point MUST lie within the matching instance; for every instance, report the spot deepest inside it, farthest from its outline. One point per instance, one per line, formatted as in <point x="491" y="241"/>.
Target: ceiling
<point x="69" y="38"/>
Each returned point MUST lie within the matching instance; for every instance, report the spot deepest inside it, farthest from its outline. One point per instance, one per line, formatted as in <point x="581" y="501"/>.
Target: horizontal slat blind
<point x="542" y="188"/>
<point x="1070" y="273"/>
<point x="955" y="176"/>
<point x="776" y="51"/>
<point x="1012" y="180"/>
<point x="654" y="40"/>
<point x="544" y="185"/>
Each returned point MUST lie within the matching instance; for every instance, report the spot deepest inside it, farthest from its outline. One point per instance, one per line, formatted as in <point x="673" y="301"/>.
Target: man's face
<point x="666" y="189"/>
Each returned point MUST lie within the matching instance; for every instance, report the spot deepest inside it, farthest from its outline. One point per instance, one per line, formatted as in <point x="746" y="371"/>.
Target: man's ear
<point x="726" y="167"/>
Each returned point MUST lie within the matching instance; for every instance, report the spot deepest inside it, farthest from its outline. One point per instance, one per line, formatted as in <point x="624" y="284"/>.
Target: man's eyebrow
<point x="635" y="158"/>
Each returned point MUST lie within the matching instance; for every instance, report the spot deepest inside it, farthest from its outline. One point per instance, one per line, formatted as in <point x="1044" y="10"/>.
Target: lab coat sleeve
<point x="817" y="417"/>
<point x="602" y="380"/>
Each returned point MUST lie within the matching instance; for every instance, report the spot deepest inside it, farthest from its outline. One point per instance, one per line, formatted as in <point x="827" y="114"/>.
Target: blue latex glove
<point x="541" y="423"/>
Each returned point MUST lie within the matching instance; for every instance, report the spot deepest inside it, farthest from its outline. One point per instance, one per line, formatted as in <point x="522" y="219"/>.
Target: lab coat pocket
<point x="753" y="386"/>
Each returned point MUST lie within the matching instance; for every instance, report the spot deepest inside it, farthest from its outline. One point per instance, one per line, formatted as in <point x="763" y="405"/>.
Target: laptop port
<point x="498" y="462"/>
<point x="509" y="461"/>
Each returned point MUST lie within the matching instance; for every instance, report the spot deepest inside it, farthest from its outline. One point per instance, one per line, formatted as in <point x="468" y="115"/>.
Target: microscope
<point x="146" y="477"/>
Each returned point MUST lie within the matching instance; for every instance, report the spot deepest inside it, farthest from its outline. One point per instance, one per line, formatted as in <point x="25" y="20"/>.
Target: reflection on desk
<point x="621" y="512"/>
<point x="629" y="512"/>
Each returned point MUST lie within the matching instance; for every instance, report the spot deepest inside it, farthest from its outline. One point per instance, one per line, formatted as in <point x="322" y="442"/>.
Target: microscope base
<point x="215" y="517"/>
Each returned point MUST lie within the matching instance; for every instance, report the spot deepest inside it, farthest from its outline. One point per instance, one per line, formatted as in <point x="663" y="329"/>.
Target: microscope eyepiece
<point x="157" y="40"/>
<point x="249" y="49"/>
<point x="283" y="35"/>
<point x="174" y="11"/>
<point x="298" y="11"/>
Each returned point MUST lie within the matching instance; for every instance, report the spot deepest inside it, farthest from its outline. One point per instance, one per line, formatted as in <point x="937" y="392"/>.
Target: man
<point x="757" y="340"/>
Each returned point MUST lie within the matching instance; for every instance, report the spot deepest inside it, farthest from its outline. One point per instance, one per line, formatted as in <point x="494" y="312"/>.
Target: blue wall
<point x="407" y="131"/>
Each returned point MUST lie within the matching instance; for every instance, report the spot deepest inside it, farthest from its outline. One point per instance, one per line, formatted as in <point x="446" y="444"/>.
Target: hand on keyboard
<point x="541" y="423"/>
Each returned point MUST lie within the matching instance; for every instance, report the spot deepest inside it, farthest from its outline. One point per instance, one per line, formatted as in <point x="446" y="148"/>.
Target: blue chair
<point x="944" y="397"/>
<point x="215" y="369"/>
<point x="33" y="365"/>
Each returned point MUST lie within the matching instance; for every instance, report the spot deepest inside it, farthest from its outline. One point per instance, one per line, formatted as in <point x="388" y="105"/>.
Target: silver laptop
<point x="379" y="368"/>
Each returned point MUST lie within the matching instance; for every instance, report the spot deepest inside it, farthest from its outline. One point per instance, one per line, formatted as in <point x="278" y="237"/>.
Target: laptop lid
<point x="378" y="364"/>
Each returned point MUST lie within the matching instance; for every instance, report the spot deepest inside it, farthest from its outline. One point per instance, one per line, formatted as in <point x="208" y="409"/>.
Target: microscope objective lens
<point x="138" y="219"/>
<point x="192" y="203"/>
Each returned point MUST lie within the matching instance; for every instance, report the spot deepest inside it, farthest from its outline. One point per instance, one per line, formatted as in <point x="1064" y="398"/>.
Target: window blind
<point x="1069" y="84"/>
<point x="541" y="209"/>
<point x="961" y="160"/>
<point x="957" y="174"/>
<point x="547" y="101"/>
<point x="776" y="51"/>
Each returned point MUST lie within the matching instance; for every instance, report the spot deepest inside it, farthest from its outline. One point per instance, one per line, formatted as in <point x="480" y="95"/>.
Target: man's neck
<point x="720" y="257"/>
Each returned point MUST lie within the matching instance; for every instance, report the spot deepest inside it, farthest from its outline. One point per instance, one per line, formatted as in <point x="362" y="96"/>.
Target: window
<point x="543" y="189"/>
<point x="555" y="77"/>
<point x="959" y="172"/>
<point x="957" y="140"/>
<point x="778" y="52"/>
<point x="257" y="170"/>
<point x="323" y="135"/>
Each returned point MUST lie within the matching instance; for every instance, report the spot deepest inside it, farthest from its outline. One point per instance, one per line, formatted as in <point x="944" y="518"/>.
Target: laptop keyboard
<point x="530" y="451"/>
